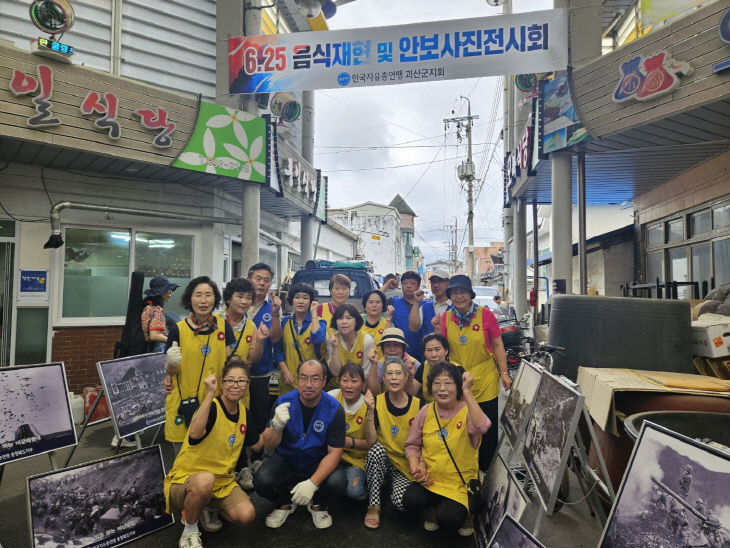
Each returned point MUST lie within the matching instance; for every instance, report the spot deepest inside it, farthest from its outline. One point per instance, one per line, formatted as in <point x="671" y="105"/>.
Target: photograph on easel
<point x="519" y="402"/>
<point x="510" y="534"/>
<point x="675" y="492"/>
<point x="503" y="495"/>
<point x="35" y="411"/>
<point x="103" y="503"/>
<point x="133" y="387"/>
<point x="549" y="435"/>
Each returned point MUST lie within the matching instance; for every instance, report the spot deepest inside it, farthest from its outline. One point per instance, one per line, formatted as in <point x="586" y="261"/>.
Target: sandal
<point x="372" y="518"/>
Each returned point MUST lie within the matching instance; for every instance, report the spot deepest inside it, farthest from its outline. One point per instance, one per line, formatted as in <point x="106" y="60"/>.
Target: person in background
<point x="202" y="474"/>
<point x="339" y="288"/>
<point x="395" y="410"/>
<point x="454" y="419"/>
<point x="439" y="281"/>
<point x="412" y="314"/>
<point x="374" y="304"/>
<point x="435" y="349"/>
<point x="153" y="314"/>
<point x="475" y="342"/>
<point x="359" y="427"/>
<point x="303" y="334"/>
<point x="500" y="305"/>
<point x="391" y="286"/>
<point x="265" y="309"/>
<point x="307" y="435"/>
<point x="393" y="345"/>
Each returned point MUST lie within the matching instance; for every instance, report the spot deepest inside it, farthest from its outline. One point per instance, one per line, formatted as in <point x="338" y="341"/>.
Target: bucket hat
<point x="460" y="282"/>
<point x="393" y="334"/>
<point x="159" y="285"/>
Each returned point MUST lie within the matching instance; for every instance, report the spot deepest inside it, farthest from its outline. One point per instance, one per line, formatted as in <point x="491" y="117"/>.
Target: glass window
<point x="700" y="222"/>
<point x="701" y="265"/>
<point x="678" y="271"/>
<point x="721" y="253"/>
<point x="95" y="273"/>
<point x="7" y="228"/>
<point x="322" y="287"/>
<point x="721" y="216"/>
<point x="655" y="267"/>
<point x="654" y="235"/>
<point x="30" y="336"/>
<point x="168" y="255"/>
<point x="675" y="231"/>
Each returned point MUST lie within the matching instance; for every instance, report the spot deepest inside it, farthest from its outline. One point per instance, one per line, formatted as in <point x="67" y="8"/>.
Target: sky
<point x="358" y="129"/>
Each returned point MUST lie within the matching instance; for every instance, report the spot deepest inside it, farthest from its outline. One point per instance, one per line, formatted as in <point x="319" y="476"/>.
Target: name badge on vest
<point x="231" y="439"/>
<point x="462" y="339"/>
<point x="394" y="430"/>
<point x="318" y="426"/>
<point x="205" y="350"/>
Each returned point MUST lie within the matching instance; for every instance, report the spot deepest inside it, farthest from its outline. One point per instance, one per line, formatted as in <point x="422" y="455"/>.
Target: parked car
<point x="318" y="274"/>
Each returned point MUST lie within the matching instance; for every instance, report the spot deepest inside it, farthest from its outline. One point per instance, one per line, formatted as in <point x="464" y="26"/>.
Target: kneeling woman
<point x="456" y="419"/>
<point x="395" y="410"/>
<point x="202" y="474"/>
<point x="360" y="432"/>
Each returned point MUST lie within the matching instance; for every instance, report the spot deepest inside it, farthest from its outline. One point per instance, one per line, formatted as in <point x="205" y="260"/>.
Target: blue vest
<point x="265" y="364"/>
<point x="304" y="449"/>
<point x="400" y="320"/>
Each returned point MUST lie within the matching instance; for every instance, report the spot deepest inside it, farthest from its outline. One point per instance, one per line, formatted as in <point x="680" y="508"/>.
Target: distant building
<point x="483" y="262"/>
<point x="407" y="221"/>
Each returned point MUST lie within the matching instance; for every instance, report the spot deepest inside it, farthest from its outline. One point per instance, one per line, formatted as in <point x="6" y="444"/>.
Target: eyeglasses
<point x="447" y="384"/>
<point x="235" y="382"/>
<point x="395" y="373"/>
<point x="315" y="379"/>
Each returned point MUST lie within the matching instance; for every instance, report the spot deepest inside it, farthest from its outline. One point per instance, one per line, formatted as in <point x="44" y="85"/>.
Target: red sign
<point x="646" y="78"/>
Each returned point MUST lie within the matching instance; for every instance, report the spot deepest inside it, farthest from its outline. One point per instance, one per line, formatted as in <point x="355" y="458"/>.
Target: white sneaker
<point x="277" y="518"/>
<point x="430" y="523"/>
<point x="125" y="443"/>
<point x="320" y="516"/>
<point x="467" y="528"/>
<point x="210" y="521"/>
<point x="190" y="540"/>
<point x="244" y="478"/>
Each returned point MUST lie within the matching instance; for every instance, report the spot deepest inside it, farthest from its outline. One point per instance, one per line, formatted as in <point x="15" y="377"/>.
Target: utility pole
<point x="465" y="172"/>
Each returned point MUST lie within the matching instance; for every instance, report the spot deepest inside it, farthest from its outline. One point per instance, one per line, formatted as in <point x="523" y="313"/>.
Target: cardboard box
<point x="710" y="338"/>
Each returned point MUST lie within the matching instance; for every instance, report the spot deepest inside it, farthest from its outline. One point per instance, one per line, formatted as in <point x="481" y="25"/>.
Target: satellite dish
<point x="495" y="3"/>
<point x="309" y="8"/>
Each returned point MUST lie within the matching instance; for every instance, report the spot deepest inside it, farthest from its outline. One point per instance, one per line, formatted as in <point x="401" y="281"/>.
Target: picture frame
<point x="511" y="534"/>
<point x="520" y="402"/>
<point x="133" y="388"/>
<point x="107" y="502"/>
<point x="674" y="492"/>
<point x="549" y="434"/>
<point x="503" y="495"/>
<point x="35" y="411"/>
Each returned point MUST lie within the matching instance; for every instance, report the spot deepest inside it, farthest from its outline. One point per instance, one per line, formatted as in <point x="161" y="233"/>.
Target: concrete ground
<point x="571" y="527"/>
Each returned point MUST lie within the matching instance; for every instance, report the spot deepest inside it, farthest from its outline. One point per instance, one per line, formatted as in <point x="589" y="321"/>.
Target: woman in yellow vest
<point x="475" y="343"/>
<point x="374" y="304"/>
<point x="202" y="474"/>
<point x="349" y="343"/>
<point x="454" y="419"/>
<point x="360" y="432"/>
<point x="339" y="287"/>
<point x="395" y="410"/>
<point x="302" y="334"/>
<point x="435" y="349"/>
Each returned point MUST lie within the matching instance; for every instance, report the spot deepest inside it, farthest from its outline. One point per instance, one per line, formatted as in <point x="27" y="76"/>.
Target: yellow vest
<point x="356" y="355"/>
<point x="468" y="347"/>
<point x="291" y="357"/>
<point x="354" y="428"/>
<point x="426" y="393"/>
<point x="244" y="347"/>
<point x="191" y="346"/>
<point x="217" y="453"/>
<point x="441" y="470"/>
<point x="393" y="432"/>
<point x="377" y="334"/>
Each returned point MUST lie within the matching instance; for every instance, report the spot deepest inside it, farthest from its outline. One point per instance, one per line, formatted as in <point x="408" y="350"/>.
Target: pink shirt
<point x="490" y="326"/>
<point x="475" y="427"/>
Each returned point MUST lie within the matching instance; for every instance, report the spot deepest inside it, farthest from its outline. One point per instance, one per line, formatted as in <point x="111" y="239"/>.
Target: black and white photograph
<point x="510" y="534"/>
<point x="35" y="411"/>
<point x="549" y="434"/>
<point x="133" y="387"/>
<point x="675" y="492"/>
<point x="503" y="495"/>
<point x="519" y="402"/>
<point x="102" y="503"/>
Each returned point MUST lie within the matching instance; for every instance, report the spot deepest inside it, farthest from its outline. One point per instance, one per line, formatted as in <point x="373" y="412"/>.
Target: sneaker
<point x="277" y="518"/>
<point x="466" y="529"/>
<point x="320" y="516"/>
<point x="125" y="442"/>
<point x="430" y="523"/>
<point x="210" y="521"/>
<point x="190" y="540"/>
<point x="244" y="478"/>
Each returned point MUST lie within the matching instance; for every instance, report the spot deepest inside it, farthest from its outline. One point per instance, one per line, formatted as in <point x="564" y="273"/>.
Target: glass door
<point x="6" y="300"/>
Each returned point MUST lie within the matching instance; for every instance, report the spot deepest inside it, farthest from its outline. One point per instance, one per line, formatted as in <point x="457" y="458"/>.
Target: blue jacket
<point x="304" y="449"/>
<point x="400" y="320"/>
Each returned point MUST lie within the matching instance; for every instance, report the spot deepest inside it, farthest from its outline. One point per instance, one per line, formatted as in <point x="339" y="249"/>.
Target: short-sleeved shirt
<point x="153" y="319"/>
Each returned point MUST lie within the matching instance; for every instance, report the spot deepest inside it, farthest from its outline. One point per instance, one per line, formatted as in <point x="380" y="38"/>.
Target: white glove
<point x="281" y="416"/>
<point x="174" y="358"/>
<point x="303" y="492"/>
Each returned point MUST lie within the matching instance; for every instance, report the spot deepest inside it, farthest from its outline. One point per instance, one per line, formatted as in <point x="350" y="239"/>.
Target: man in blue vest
<point x="307" y="434"/>
<point x="411" y="313"/>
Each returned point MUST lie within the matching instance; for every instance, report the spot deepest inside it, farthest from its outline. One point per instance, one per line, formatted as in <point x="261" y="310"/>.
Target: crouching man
<point x="203" y="472"/>
<point x="307" y="432"/>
